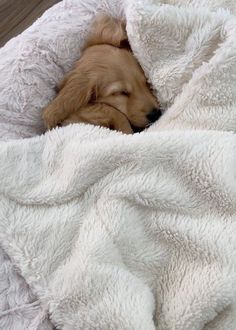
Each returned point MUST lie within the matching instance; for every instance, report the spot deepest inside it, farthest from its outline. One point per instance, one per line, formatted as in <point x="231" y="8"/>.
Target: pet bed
<point x="100" y="230"/>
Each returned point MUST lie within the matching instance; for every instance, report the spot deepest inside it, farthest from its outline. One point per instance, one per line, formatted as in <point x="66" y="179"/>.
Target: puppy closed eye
<point x="121" y="93"/>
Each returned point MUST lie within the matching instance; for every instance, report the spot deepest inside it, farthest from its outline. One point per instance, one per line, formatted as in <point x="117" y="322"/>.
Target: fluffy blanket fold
<point x="126" y="232"/>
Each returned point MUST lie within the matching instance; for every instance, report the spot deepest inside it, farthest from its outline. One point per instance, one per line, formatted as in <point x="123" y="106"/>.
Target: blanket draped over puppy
<point x="126" y="232"/>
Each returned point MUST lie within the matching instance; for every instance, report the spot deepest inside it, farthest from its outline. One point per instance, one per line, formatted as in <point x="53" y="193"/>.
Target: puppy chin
<point x="137" y="129"/>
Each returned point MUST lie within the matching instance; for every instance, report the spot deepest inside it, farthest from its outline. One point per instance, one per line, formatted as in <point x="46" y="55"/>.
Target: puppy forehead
<point x="109" y="64"/>
<point x="108" y="56"/>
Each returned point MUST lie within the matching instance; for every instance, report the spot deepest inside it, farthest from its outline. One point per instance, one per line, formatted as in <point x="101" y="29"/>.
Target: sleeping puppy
<point x="107" y="87"/>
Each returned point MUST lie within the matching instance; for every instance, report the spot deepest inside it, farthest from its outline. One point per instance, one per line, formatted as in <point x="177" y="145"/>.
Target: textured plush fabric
<point x="19" y="308"/>
<point x="124" y="232"/>
<point x="30" y="66"/>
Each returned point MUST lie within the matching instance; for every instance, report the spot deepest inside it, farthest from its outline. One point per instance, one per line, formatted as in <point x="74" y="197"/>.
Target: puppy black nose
<point x="154" y="115"/>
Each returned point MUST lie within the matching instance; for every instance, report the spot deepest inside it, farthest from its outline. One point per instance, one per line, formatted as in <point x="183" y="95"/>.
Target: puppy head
<point x="108" y="76"/>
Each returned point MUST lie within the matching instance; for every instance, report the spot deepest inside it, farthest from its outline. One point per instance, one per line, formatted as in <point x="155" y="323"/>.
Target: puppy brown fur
<point x="107" y="87"/>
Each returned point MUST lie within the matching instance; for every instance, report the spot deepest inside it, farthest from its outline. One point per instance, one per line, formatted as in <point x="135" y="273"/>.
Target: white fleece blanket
<point x="126" y="232"/>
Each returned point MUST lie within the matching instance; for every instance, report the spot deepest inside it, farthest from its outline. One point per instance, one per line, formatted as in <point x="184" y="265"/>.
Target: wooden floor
<point x="17" y="15"/>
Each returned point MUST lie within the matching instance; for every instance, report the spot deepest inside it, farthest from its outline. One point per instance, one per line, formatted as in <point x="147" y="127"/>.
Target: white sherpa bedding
<point x="112" y="231"/>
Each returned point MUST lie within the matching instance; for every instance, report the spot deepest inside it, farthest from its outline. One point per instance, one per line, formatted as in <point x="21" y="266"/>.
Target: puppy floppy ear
<point x="75" y="91"/>
<point x="107" y="30"/>
<point x="100" y="115"/>
<point x="120" y="123"/>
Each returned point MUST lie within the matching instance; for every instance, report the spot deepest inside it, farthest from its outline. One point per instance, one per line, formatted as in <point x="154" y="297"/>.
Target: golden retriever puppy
<point x="107" y="87"/>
